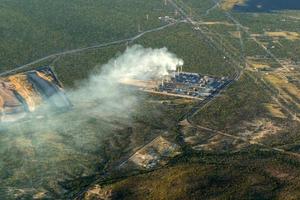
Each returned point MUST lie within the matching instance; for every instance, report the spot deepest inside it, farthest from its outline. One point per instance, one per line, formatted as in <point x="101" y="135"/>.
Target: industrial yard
<point x="181" y="84"/>
<point x="191" y="84"/>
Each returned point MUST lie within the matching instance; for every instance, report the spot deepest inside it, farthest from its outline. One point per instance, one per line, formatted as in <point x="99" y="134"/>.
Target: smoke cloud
<point x="142" y="63"/>
<point x="135" y="63"/>
<point x="47" y="148"/>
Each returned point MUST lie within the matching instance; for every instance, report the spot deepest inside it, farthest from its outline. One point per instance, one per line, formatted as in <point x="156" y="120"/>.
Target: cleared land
<point x="229" y="4"/>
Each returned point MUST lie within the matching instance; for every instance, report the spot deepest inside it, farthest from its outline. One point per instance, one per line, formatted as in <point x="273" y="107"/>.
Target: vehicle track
<point x="236" y="76"/>
<point x="250" y="142"/>
<point x="79" y="50"/>
<point x="186" y="118"/>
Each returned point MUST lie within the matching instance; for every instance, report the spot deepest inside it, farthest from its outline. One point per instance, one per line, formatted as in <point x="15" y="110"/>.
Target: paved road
<point x="273" y="94"/>
<point x="79" y="50"/>
<point x="210" y="40"/>
<point x="186" y="117"/>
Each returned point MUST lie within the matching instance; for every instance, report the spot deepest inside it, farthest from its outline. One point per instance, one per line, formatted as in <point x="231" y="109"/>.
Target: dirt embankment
<point x="229" y="4"/>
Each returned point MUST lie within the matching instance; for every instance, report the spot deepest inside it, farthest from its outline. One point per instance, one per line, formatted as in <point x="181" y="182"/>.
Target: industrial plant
<point x="181" y="84"/>
<point x="191" y="84"/>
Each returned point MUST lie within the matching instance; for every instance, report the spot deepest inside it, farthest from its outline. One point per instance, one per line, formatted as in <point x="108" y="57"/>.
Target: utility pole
<point x="139" y="28"/>
<point x="176" y="13"/>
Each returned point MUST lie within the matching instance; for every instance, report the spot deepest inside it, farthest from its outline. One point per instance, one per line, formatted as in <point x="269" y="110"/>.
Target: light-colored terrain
<point x="229" y="4"/>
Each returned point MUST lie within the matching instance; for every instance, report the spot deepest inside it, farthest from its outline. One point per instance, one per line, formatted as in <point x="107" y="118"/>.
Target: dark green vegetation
<point x="197" y="54"/>
<point x="192" y="48"/>
<point x="243" y="104"/>
<point x="244" y="175"/>
<point x="62" y="162"/>
<point x="72" y="69"/>
<point x="230" y="110"/>
<point x="33" y="29"/>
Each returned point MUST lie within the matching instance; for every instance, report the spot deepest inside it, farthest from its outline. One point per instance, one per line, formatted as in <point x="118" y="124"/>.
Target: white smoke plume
<point x="142" y="63"/>
<point x="136" y="62"/>
<point x="39" y="151"/>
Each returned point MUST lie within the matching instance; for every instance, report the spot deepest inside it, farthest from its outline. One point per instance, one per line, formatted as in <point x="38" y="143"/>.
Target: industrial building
<point x="181" y="84"/>
<point x="23" y="93"/>
<point x="191" y="84"/>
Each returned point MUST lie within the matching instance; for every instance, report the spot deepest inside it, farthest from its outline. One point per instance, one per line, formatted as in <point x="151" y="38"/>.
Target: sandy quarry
<point x="229" y="4"/>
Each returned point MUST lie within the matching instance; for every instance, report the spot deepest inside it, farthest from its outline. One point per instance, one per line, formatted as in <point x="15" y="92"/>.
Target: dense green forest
<point x="36" y="28"/>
